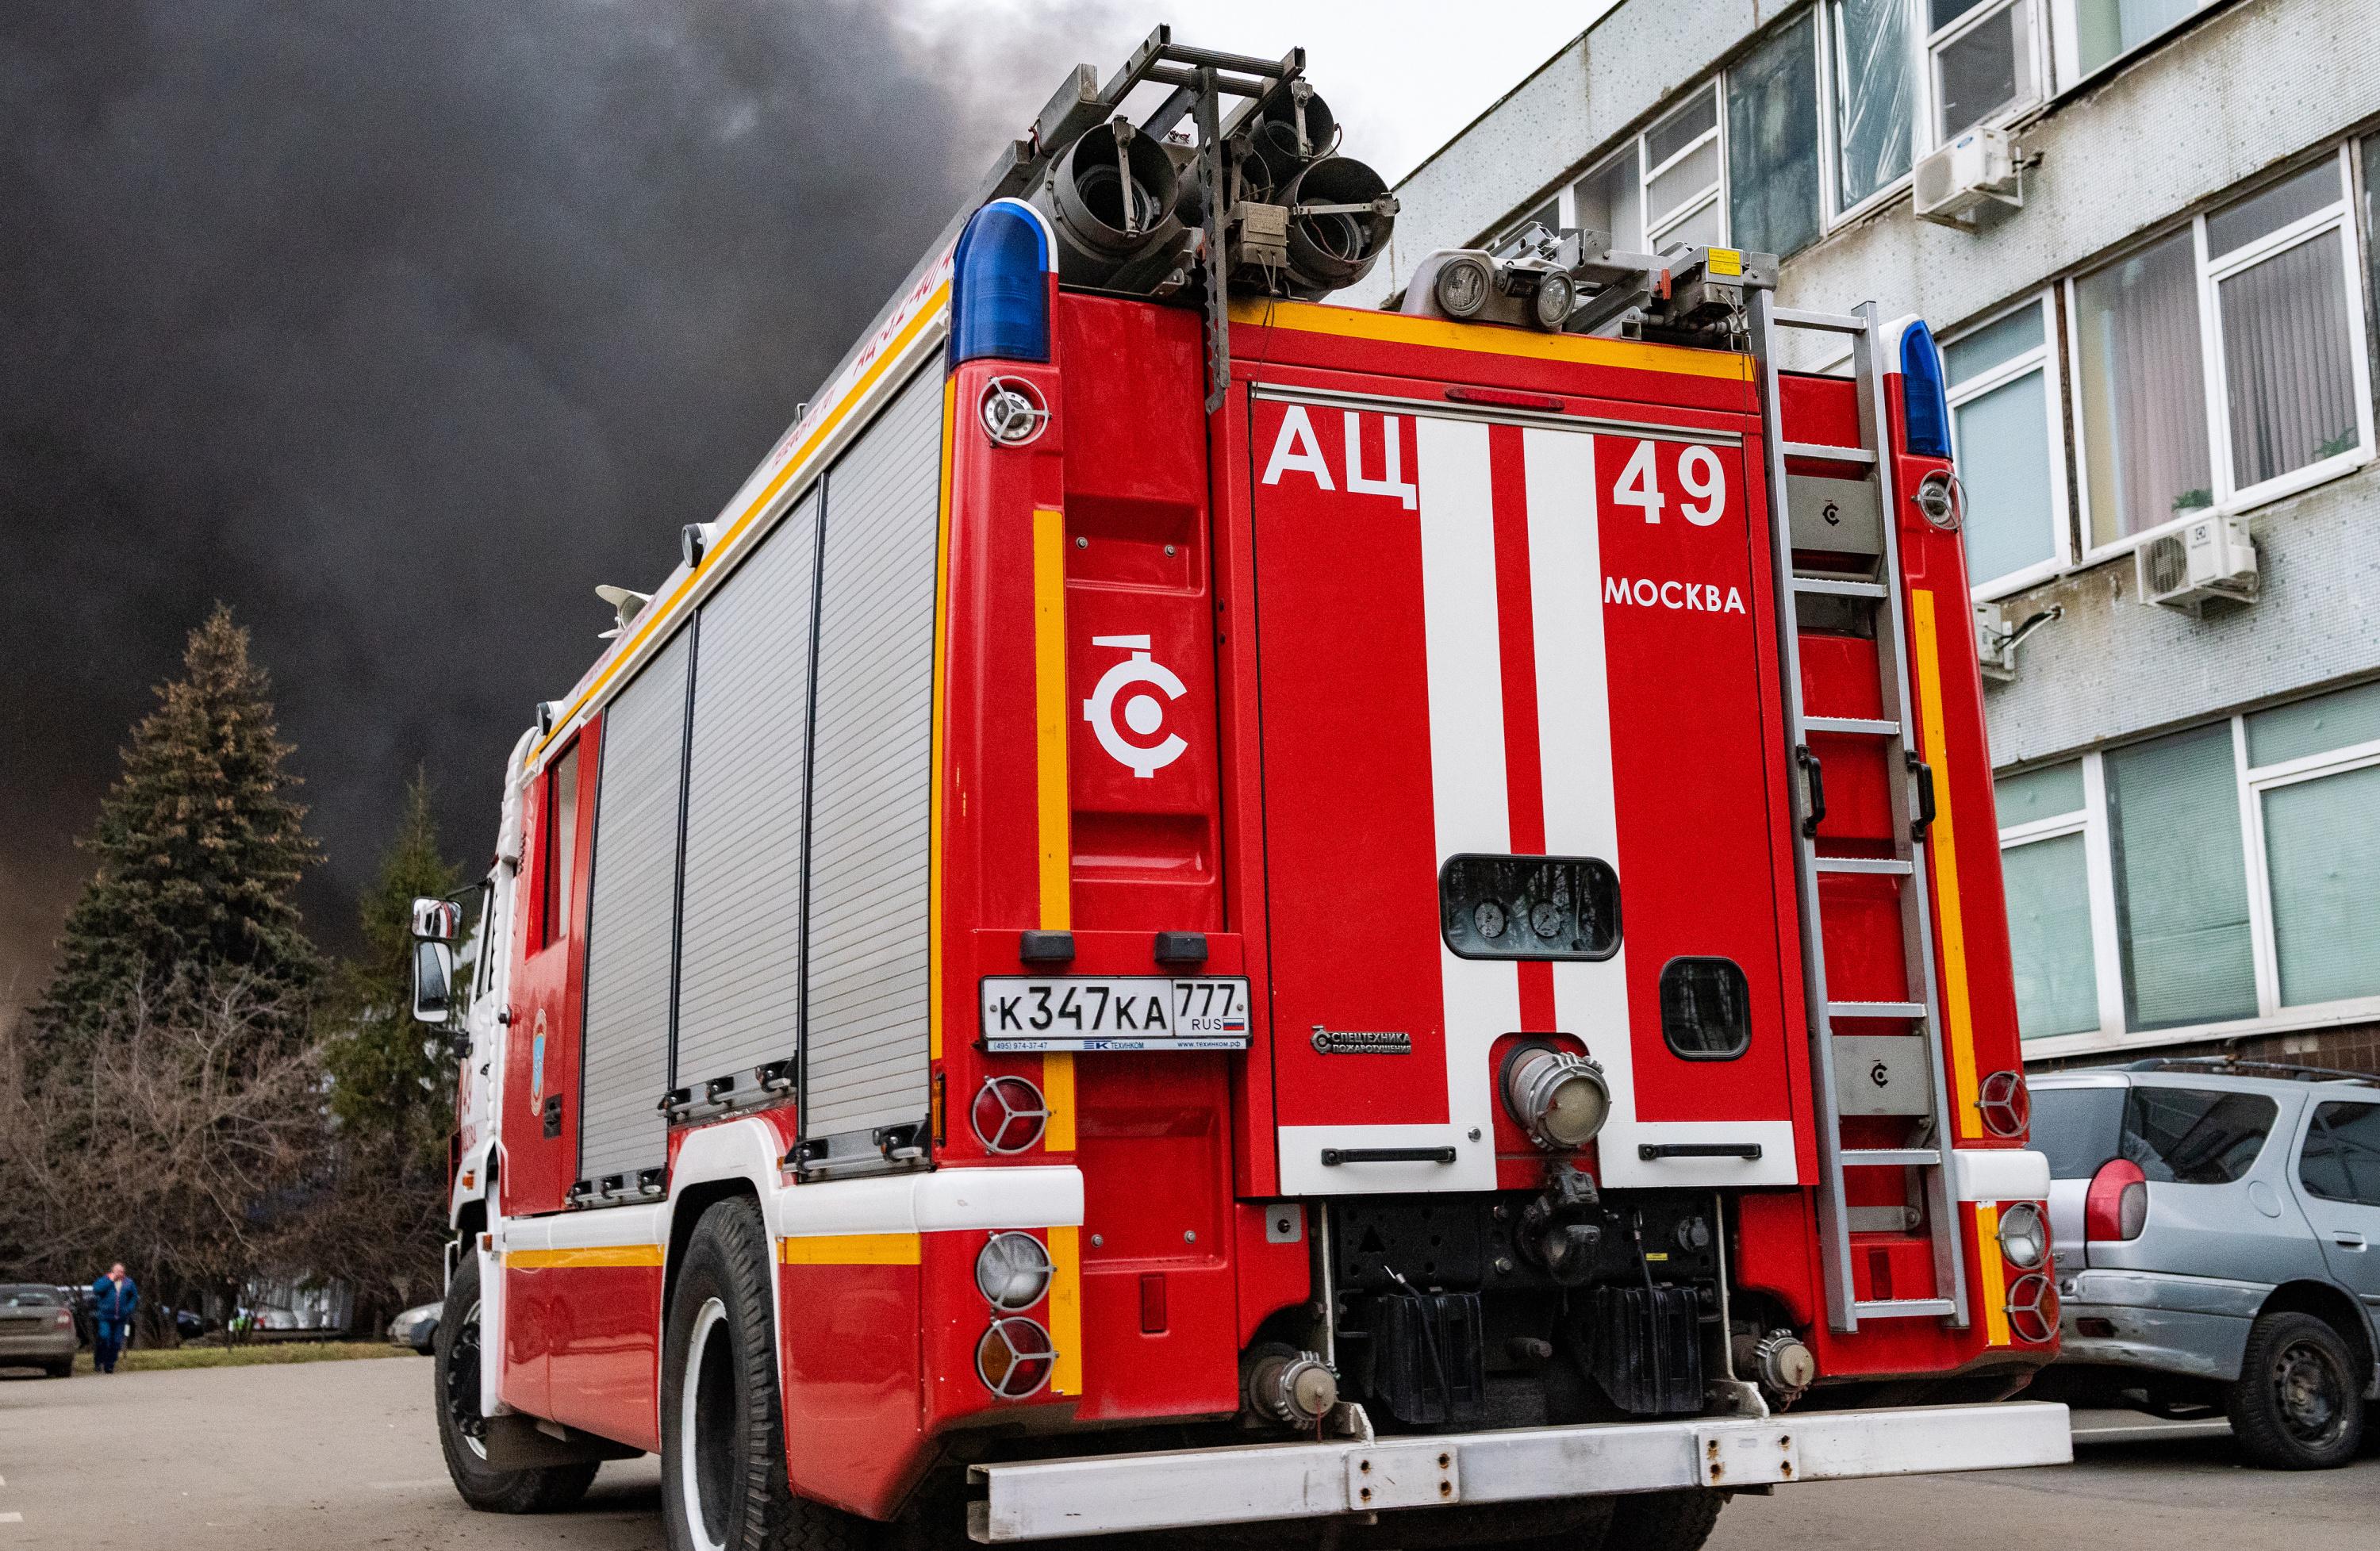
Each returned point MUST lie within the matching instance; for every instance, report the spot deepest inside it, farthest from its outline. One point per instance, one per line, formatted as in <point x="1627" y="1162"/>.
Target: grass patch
<point x="143" y="1360"/>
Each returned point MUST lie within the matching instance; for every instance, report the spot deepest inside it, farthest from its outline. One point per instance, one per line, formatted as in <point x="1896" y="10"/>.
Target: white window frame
<point x="1929" y="82"/>
<point x="1830" y="52"/>
<point x="1715" y="193"/>
<point x="2044" y="359"/>
<point x="2232" y="499"/>
<point x="2066" y="43"/>
<point x="2251" y="783"/>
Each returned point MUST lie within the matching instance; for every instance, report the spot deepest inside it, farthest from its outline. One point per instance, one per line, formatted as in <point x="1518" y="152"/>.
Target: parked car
<point x="37" y="1329"/>
<point x="2217" y="1236"/>
<point x="416" y="1328"/>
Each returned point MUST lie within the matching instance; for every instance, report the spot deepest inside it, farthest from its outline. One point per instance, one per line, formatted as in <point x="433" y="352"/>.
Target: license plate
<point x="1118" y="1012"/>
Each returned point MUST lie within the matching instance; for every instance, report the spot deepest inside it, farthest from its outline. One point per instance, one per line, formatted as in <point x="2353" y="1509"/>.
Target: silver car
<point x="37" y="1329"/>
<point x="2216" y="1235"/>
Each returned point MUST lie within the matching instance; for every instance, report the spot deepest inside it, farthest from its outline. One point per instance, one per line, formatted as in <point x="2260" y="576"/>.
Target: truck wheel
<point x="723" y="1481"/>
<point x="455" y="1376"/>
<point x="2297" y="1405"/>
<point x="1679" y="1520"/>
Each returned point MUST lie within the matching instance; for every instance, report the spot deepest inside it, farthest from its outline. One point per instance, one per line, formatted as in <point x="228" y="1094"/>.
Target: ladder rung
<point x="1862" y="726"/>
<point x="1902" y="1308"/>
<point x="1838" y="589"/>
<point x="1831" y="322"/>
<point x="1889" y="1158"/>
<point x="1875" y="1009"/>
<point x="1892" y="865"/>
<point x="1831" y="455"/>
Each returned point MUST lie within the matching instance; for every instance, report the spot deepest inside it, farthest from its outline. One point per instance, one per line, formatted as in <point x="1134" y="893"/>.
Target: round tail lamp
<point x="1009" y="1114"/>
<point x="2006" y="1104"/>
<point x="2033" y="1308"/>
<point x="1015" y="1358"/>
<point x="1012" y="1271"/>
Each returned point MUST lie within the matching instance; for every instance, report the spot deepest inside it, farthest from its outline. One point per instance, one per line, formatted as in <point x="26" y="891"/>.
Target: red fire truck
<point x="1200" y="909"/>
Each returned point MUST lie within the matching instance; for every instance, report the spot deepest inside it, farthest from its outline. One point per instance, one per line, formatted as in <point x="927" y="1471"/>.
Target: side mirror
<point x="433" y="981"/>
<point x="436" y="920"/>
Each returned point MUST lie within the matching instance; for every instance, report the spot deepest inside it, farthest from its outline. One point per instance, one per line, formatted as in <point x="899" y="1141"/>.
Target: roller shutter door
<point x="870" y="774"/>
<point x="628" y="929"/>
<point x="739" y="977"/>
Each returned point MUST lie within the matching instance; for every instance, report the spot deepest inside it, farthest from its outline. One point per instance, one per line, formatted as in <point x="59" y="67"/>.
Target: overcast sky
<point x="398" y="326"/>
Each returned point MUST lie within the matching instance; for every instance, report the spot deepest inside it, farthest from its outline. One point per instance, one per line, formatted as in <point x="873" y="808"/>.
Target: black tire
<point x="2299" y="1402"/>
<point x="62" y="1370"/>
<point x="454" y="1388"/>
<point x="723" y="1481"/>
<point x="1679" y="1520"/>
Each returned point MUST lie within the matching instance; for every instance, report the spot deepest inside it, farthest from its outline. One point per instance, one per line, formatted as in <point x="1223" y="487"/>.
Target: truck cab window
<point x="560" y="844"/>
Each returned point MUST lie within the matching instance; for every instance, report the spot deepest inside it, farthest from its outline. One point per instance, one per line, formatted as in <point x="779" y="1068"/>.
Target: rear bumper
<point x="45" y="1346"/>
<point x="1052" y="1499"/>
<point x="2196" y="1326"/>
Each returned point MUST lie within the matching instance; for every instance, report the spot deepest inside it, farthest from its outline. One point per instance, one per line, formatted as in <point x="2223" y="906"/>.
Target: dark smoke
<point x="397" y="326"/>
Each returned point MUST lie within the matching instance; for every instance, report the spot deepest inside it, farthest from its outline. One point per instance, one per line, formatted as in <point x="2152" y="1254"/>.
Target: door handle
<point x="2347" y="1240"/>
<point x="553" y="1115"/>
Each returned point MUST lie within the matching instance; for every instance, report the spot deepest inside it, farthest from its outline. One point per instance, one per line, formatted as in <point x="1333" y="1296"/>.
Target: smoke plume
<point x="397" y="326"/>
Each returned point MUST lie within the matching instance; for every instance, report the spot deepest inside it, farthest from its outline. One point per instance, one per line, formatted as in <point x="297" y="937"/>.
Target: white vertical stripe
<point x="1471" y="806"/>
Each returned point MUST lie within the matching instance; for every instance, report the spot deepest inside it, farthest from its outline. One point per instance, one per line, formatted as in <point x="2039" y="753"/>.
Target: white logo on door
<point x="1142" y="713"/>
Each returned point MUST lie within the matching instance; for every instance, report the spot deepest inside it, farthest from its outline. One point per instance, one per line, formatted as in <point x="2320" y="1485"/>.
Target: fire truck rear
<point x="1199" y="909"/>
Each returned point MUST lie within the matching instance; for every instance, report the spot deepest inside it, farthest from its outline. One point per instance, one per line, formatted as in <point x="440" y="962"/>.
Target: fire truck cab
<point x="1201" y="909"/>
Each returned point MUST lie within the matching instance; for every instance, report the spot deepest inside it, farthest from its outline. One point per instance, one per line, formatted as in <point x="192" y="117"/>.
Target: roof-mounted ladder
<point x="1909" y="785"/>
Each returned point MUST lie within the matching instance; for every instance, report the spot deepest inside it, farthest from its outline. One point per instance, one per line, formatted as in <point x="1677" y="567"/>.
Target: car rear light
<point x="2117" y="1206"/>
<point x="64" y="1321"/>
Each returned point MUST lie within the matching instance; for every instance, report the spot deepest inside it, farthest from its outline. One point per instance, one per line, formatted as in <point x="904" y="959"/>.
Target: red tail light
<point x="65" y="1320"/>
<point x="2118" y="1207"/>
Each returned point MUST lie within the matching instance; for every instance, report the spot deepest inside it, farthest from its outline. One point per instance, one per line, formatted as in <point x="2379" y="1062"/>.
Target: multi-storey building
<point x="2170" y="320"/>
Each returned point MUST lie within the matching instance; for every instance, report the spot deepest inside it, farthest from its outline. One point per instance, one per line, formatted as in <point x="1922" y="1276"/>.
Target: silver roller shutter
<point x="625" y="1067"/>
<point x="739" y="969"/>
<point x="871" y="775"/>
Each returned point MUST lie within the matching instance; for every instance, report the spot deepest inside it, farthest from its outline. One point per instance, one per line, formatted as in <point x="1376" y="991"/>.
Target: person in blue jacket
<point x="113" y="1298"/>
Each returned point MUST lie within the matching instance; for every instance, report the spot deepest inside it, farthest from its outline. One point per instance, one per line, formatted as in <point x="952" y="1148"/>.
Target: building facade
<point x="2176" y="324"/>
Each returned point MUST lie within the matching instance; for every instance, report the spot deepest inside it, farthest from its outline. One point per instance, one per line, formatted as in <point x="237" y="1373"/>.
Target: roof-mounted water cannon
<point x="1575" y="282"/>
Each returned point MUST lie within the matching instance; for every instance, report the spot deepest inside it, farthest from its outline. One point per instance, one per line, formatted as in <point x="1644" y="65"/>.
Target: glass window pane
<point x="1942" y="13"/>
<point x="2042" y="794"/>
<point x="1876" y="95"/>
<point x="1607" y="201"/>
<point x="2322" y="855"/>
<point x="2196" y="1137"/>
<point x="2288" y="361"/>
<point x="2181" y="883"/>
<point x="2371" y="206"/>
<point x="2263" y="213"/>
<point x="2077" y="1129"/>
<point x="1984" y="69"/>
<point x="2339" y="719"/>
<point x="1694" y="175"/>
<point x="2143" y="421"/>
<point x="1686" y="124"/>
<point x="2049" y="937"/>
<point x="2105" y="28"/>
<point x="1699" y="228"/>
<point x="1993" y="345"/>
<point x="1772" y="144"/>
<point x="2002" y="440"/>
<point x="2341" y="1161"/>
<point x="561" y="840"/>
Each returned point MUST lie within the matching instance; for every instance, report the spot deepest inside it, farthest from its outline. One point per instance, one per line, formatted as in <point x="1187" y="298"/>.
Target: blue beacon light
<point x="999" y="285"/>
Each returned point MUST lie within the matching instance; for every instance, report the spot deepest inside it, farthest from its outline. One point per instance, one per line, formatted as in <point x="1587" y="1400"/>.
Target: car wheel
<point x="2297" y="1405"/>
<point x="724" y="1481"/>
<point x="1679" y="1520"/>
<point x="455" y="1376"/>
<point x="62" y="1370"/>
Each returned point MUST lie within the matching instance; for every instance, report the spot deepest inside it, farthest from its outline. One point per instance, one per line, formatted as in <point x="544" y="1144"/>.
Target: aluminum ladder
<point x="1877" y="603"/>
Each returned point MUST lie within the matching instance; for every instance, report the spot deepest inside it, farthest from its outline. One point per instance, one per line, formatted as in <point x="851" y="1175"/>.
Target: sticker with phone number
<point x="1115" y="1012"/>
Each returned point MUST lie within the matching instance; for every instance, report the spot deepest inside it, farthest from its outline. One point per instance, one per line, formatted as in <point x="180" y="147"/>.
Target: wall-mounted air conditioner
<point x="2212" y="558"/>
<point x="1982" y="166"/>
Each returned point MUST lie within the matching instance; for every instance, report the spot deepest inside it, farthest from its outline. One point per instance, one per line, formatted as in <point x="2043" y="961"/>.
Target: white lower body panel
<point x="1181" y="1489"/>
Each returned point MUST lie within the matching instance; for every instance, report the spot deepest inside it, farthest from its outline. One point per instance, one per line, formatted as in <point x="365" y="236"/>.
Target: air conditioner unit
<point x="1978" y="168"/>
<point x="2212" y="558"/>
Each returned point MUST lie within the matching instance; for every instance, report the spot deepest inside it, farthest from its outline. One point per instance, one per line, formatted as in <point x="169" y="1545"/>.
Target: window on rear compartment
<point x="2077" y="1129"/>
<point x="1705" y="1008"/>
<point x="2196" y="1137"/>
<point x="561" y="842"/>
<point x="2341" y="1161"/>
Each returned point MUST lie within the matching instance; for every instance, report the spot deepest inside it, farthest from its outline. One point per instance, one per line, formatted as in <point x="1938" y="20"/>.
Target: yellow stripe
<point x="1066" y="1310"/>
<point x="934" y="759"/>
<point x="590" y="1258"/>
<point x="1348" y="323"/>
<point x="1994" y="1291"/>
<point x="851" y="1249"/>
<point x="655" y="616"/>
<point x="1050" y="788"/>
<point x="1943" y="841"/>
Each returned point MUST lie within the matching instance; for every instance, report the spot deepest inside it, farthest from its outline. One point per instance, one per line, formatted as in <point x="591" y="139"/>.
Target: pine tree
<point x="198" y="847"/>
<point x="393" y="1078"/>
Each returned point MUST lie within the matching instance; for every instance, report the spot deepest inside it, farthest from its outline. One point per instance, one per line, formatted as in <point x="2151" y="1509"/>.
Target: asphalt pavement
<point x="329" y="1456"/>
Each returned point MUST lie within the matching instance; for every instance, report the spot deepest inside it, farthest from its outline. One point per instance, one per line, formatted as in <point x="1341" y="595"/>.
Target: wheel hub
<point x="463" y="1384"/>
<point x="2309" y="1389"/>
